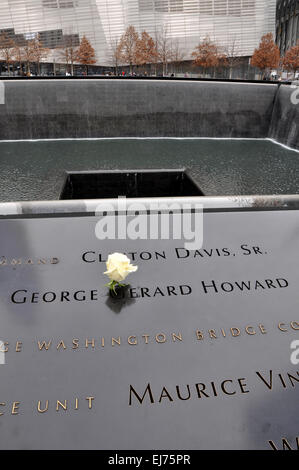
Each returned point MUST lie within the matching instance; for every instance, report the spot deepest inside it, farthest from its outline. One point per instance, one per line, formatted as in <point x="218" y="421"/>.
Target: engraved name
<point x="150" y="394"/>
<point x="93" y="256"/>
<point x="22" y="296"/>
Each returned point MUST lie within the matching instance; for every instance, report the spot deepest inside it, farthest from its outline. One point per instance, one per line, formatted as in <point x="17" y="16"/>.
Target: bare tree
<point x="115" y="53"/>
<point x="233" y="54"/>
<point x="68" y="52"/>
<point x="7" y="49"/>
<point x="164" y="48"/>
<point x="18" y="55"/>
<point x="177" y="54"/>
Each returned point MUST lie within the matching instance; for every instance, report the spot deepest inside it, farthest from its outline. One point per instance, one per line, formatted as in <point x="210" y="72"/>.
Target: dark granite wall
<point x="122" y="108"/>
<point x="148" y="108"/>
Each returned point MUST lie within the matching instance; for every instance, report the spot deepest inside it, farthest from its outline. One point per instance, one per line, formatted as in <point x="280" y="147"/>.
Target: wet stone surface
<point x="37" y="170"/>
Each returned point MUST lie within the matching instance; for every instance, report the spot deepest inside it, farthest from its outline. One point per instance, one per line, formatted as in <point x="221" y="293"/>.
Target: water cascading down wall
<point x="61" y="109"/>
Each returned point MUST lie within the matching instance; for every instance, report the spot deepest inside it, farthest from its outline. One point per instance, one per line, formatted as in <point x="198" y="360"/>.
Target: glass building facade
<point x="287" y="24"/>
<point x="238" y="22"/>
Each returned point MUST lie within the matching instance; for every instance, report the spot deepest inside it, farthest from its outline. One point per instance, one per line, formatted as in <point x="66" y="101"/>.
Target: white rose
<point x="118" y="267"/>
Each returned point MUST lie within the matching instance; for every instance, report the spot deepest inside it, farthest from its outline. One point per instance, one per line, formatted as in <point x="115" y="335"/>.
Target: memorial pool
<point x="35" y="170"/>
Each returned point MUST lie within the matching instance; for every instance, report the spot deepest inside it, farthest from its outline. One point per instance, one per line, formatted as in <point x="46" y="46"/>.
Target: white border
<point x="91" y="139"/>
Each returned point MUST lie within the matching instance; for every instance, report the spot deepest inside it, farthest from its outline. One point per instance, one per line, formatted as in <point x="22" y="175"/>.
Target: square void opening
<point x="111" y="184"/>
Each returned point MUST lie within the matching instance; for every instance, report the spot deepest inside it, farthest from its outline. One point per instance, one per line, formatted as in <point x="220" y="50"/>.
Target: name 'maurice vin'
<point x="270" y="381"/>
<point x="22" y="296"/>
